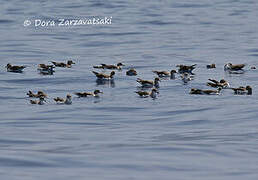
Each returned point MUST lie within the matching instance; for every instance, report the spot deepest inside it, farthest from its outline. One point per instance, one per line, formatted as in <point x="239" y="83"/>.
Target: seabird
<point x="243" y="90"/>
<point x="39" y="102"/>
<point x="104" y="76"/>
<point x="110" y="66"/>
<point x="211" y="66"/>
<point x="163" y="74"/>
<point x="68" y="100"/>
<point x="61" y="64"/>
<point x="186" y="77"/>
<point x="148" y="83"/>
<point x="214" y="83"/>
<point x="86" y="94"/>
<point x="153" y="93"/>
<point x="185" y="68"/>
<point x="205" y="92"/>
<point x="131" y="72"/>
<point x="16" y="69"/>
<point x="37" y="95"/>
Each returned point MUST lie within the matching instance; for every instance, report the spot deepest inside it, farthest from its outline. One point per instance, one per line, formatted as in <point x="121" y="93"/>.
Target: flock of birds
<point x="185" y="74"/>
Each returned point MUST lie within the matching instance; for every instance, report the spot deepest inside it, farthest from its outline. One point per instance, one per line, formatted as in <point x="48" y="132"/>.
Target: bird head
<point x="156" y="79"/>
<point x="120" y="64"/>
<point x="97" y="91"/>
<point x="70" y="62"/>
<point x="173" y="71"/>
<point x="112" y="73"/>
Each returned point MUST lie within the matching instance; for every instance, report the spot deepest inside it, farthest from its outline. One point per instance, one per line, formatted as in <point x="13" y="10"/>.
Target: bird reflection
<point x="46" y="73"/>
<point x="109" y="82"/>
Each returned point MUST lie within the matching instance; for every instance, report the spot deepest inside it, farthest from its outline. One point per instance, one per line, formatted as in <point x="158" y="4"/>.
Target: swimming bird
<point x="233" y="67"/>
<point x="243" y="90"/>
<point x="61" y="64"/>
<point x="185" y="68"/>
<point x="86" y="94"/>
<point x="104" y="76"/>
<point x="46" y="69"/>
<point x="211" y="66"/>
<point x="206" y="91"/>
<point x="110" y="66"/>
<point x="45" y="66"/>
<point x="195" y="91"/>
<point x="39" y="102"/>
<point x="214" y="83"/>
<point x="153" y="93"/>
<point x="186" y="77"/>
<point x="67" y="101"/>
<point x="17" y="69"/>
<point x="148" y="83"/>
<point x="163" y="74"/>
<point x="37" y="95"/>
<point x="131" y="72"/>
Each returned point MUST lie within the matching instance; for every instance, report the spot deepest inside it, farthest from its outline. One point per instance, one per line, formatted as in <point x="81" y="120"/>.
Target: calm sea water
<point x="122" y="136"/>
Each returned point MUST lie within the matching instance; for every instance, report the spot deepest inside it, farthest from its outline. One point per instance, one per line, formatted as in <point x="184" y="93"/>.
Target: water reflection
<point x="110" y="82"/>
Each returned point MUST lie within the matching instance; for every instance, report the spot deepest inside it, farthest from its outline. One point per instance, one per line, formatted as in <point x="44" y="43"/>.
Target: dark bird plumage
<point x="205" y="91"/>
<point x="17" y="69"/>
<point x="163" y="74"/>
<point x="148" y="83"/>
<point x="234" y="67"/>
<point x="131" y="72"/>
<point x="37" y="95"/>
<point x="185" y="68"/>
<point x="86" y="94"/>
<point x="46" y="69"/>
<point x="62" y="64"/>
<point x="243" y="90"/>
<point x="110" y="66"/>
<point x="104" y="76"/>
<point x="67" y="100"/>
<point x="216" y="84"/>
<point x="211" y="66"/>
<point x="41" y="101"/>
<point x="153" y="93"/>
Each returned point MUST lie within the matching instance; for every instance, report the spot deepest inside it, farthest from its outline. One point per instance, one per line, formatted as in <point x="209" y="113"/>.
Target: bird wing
<point x="98" y="67"/>
<point x="211" y="84"/>
<point x="42" y="65"/>
<point x="238" y="89"/>
<point x="144" y="81"/>
<point x="111" y="66"/>
<point x="213" y="80"/>
<point x="53" y="62"/>
<point x="17" y="68"/>
<point x="96" y="73"/>
<point x="58" y="99"/>
<point x="209" y="91"/>
<point x="237" y="66"/>
<point x="78" y="94"/>
<point x="165" y="72"/>
<point x="142" y="93"/>
<point x="193" y="66"/>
